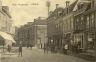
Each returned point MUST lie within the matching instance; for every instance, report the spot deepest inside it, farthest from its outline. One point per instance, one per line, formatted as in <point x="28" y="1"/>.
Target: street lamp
<point x="48" y="6"/>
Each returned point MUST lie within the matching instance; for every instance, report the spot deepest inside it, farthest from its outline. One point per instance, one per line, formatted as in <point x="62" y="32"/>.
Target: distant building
<point x="32" y="33"/>
<point x="40" y="32"/>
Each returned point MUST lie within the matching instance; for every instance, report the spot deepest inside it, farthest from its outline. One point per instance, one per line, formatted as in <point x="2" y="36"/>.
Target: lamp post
<point x="48" y="6"/>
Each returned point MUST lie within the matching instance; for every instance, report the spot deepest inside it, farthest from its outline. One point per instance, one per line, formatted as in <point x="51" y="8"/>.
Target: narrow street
<point x="37" y="55"/>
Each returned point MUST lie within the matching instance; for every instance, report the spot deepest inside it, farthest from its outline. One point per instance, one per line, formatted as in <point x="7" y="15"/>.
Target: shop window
<point x="79" y="41"/>
<point x="91" y="41"/>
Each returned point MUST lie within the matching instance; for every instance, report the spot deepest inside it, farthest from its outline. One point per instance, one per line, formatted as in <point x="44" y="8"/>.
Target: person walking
<point x="20" y="50"/>
<point x="31" y="46"/>
<point x="9" y="48"/>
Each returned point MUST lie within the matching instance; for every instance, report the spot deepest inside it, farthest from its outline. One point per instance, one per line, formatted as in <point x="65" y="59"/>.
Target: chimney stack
<point x="57" y="5"/>
<point x="67" y="3"/>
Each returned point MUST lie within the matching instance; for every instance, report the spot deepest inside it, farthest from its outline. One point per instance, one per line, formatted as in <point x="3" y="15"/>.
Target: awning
<point x="7" y="36"/>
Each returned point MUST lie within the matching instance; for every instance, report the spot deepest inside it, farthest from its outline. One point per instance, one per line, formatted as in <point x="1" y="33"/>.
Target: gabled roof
<point x="71" y="7"/>
<point x="90" y="10"/>
<point x="57" y="10"/>
<point x="80" y="2"/>
<point x="85" y="3"/>
<point x="64" y="10"/>
<point x="5" y="9"/>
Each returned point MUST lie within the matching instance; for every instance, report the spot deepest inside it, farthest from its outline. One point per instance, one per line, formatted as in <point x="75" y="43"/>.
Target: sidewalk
<point x="13" y="53"/>
<point x="84" y="55"/>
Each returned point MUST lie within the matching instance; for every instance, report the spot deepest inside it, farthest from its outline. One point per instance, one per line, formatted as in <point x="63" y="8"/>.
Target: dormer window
<point x="80" y="6"/>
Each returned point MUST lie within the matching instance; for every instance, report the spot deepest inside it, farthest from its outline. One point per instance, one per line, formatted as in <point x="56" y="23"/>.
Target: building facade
<point x="40" y="32"/>
<point x="6" y="21"/>
<point x="79" y="24"/>
<point x="32" y="33"/>
<point x="90" y="19"/>
<point x="60" y="26"/>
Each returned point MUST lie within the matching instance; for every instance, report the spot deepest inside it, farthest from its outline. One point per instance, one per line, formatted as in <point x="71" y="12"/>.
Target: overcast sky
<point x="21" y="14"/>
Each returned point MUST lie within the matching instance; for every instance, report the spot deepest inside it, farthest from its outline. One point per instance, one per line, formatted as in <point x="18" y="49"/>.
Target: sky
<point x="23" y="11"/>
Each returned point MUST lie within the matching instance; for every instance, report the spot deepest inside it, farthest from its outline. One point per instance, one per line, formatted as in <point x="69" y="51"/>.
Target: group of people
<point x="19" y="49"/>
<point x="76" y="48"/>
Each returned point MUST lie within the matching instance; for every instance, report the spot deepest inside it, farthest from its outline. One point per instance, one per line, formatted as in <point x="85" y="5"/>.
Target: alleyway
<point x="37" y="55"/>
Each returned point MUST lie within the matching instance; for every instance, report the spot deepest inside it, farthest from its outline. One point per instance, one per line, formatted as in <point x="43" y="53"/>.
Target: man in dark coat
<point x="20" y="50"/>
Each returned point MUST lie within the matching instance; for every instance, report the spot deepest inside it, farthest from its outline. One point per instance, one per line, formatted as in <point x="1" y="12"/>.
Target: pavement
<point x="38" y="55"/>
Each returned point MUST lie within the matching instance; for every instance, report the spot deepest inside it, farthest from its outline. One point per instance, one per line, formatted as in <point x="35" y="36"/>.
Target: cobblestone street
<point x="37" y="55"/>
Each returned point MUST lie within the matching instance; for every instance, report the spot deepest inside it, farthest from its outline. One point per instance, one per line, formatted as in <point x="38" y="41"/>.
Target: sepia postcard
<point x="47" y="30"/>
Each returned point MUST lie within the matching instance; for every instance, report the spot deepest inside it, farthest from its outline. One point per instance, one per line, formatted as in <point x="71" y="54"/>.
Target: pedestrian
<point x="9" y="48"/>
<point x="66" y="48"/>
<point x="20" y="50"/>
<point x="31" y="46"/>
<point x="45" y="48"/>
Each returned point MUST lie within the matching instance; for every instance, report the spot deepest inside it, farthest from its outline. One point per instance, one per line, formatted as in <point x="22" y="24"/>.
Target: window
<point x="60" y="26"/>
<point x="77" y="24"/>
<point x="82" y="18"/>
<point x="80" y="6"/>
<point x="67" y="28"/>
<point x="92" y="16"/>
<point x="91" y="41"/>
<point x="71" y="23"/>
<point x="56" y="26"/>
<point x="81" y="23"/>
<point x="92" y="3"/>
<point x="87" y="22"/>
<point x="79" y="40"/>
<point x="92" y="20"/>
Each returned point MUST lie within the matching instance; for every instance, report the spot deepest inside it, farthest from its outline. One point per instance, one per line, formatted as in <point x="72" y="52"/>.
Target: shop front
<point x="91" y="41"/>
<point x="78" y="42"/>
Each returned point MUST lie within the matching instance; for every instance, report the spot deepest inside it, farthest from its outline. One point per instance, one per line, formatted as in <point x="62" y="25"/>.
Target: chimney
<point x="67" y="3"/>
<point x="39" y="18"/>
<point x="57" y="5"/>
